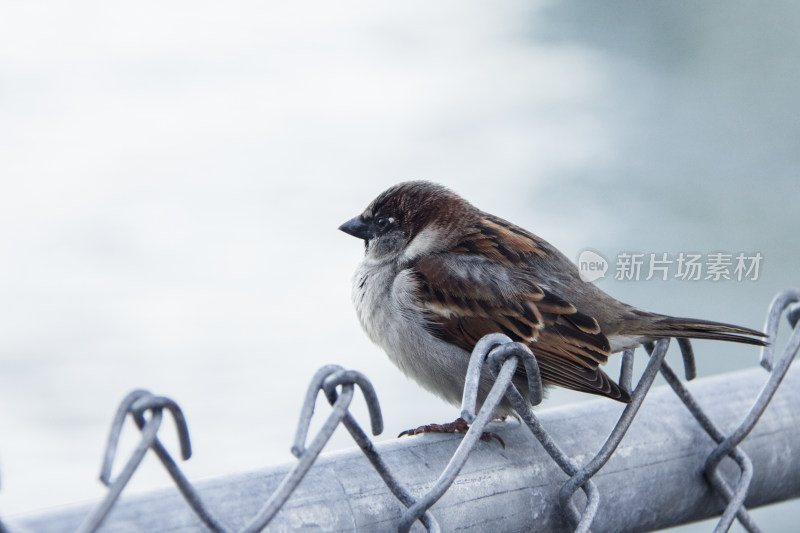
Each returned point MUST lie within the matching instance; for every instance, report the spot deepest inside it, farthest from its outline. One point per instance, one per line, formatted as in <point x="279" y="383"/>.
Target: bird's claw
<point x="459" y="425"/>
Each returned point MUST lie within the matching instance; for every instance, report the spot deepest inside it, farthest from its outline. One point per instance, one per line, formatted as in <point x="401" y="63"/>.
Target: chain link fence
<point x="574" y="511"/>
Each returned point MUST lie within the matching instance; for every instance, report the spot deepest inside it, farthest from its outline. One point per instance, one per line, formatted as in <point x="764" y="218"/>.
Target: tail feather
<point x="693" y="328"/>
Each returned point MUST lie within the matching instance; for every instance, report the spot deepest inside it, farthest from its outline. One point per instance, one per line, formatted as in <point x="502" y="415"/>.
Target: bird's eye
<point x="383" y="222"/>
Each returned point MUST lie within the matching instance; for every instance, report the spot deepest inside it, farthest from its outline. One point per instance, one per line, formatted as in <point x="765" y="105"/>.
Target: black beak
<point x="357" y="228"/>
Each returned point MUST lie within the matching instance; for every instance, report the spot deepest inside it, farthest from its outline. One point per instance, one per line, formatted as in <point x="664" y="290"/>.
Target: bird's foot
<point x="459" y="425"/>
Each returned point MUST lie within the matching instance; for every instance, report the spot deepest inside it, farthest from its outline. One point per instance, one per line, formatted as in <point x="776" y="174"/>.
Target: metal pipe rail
<point x="654" y="479"/>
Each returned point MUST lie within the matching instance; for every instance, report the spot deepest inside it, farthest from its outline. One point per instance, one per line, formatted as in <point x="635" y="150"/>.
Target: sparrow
<point x="438" y="274"/>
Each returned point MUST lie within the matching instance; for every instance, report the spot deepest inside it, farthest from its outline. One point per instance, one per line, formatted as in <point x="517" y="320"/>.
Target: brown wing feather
<point x="569" y="345"/>
<point x="501" y="241"/>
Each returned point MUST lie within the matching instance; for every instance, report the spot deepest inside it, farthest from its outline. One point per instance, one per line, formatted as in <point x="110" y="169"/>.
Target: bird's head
<point x="409" y="220"/>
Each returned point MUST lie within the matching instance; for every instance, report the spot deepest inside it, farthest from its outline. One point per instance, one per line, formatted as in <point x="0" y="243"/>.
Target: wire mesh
<point x="502" y="356"/>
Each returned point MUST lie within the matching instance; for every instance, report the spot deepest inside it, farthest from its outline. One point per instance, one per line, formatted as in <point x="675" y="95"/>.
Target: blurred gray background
<point x="173" y="176"/>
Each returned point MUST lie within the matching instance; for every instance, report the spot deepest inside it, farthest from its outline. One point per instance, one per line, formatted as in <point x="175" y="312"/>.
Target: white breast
<point x="386" y="303"/>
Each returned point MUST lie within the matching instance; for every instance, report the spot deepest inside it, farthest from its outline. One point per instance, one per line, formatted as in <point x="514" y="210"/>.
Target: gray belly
<point x="392" y="319"/>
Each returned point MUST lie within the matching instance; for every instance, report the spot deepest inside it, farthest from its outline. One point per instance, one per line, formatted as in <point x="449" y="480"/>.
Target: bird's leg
<point x="459" y="425"/>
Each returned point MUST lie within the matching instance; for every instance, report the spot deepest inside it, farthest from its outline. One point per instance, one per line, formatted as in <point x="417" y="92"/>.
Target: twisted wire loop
<point x="325" y="379"/>
<point x="525" y="412"/>
<point x="727" y="446"/>
<point x="785" y="300"/>
<point x="137" y="404"/>
<point x="504" y="356"/>
<point x="502" y="349"/>
<point x="339" y="376"/>
<point x="581" y="476"/>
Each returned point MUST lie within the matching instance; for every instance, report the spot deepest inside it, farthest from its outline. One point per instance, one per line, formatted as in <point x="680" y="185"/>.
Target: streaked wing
<point x="481" y="287"/>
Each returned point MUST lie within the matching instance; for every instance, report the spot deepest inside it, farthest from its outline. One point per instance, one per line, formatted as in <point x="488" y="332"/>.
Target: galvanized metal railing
<point x="590" y="480"/>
